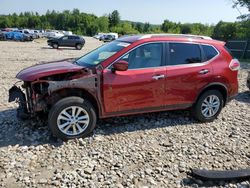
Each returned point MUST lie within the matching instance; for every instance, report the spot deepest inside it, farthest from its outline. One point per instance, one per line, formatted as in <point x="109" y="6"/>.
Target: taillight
<point x="234" y="65"/>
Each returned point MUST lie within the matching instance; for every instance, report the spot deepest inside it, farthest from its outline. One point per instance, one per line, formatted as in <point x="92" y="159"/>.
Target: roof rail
<point x="175" y="35"/>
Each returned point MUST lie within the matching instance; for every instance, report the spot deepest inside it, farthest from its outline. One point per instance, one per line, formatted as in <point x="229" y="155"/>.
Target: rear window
<point x="209" y="52"/>
<point x="183" y="53"/>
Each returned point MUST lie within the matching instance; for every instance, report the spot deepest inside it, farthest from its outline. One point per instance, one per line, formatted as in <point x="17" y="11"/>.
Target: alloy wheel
<point x="210" y="106"/>
<point x="73" y="120"/>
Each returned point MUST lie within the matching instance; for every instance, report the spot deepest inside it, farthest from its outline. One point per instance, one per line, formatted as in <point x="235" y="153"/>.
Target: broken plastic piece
<point x="221" y="175"/>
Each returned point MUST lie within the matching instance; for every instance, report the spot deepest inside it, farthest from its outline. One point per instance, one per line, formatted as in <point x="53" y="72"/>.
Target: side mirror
<point x="120" y="65"/>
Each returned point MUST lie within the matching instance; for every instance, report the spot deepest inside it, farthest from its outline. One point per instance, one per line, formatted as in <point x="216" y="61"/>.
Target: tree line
<point x="90" y="24"/>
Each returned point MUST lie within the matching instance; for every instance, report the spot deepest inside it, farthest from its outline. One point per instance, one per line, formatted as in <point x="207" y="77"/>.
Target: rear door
<point x="187" y="73"/>
<point x="72" y="41"/>
<point x="64" y="41"/>
<point x="142" y="86"/>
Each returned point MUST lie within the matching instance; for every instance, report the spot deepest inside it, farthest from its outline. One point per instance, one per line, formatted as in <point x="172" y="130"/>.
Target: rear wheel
<point x="78" y="46"/>
<point x="208" y="106"/>
<point x="72" y="117"/>
<point x="55" y="45"/>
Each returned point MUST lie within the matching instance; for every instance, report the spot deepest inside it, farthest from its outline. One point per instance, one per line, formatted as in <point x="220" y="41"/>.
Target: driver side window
<point x="65" y="38"/>
<point x="146" y="56"/>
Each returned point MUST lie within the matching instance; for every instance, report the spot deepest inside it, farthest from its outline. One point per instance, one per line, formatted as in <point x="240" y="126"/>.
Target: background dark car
<point x="108" y="38"/>
<point x="67" y="41"/>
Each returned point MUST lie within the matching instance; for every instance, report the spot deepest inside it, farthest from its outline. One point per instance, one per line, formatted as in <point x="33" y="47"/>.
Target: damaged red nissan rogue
<point x="131" y="75"/>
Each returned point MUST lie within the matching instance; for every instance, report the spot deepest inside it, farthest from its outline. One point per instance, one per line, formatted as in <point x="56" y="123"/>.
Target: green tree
<point x="170" y="27"/>
<point x="243" y="30"/>
<point x="186" y="29"/>
<point x="103" y="24"/>
<point x="139" y="27"/>
<point x="114" y="18"/>
<point x="225" y="31"/>
<point x="146" y="27"/>
<point x="5" y="22"/>
<point x="124" y="28"/>
<point x="243" y="3"/>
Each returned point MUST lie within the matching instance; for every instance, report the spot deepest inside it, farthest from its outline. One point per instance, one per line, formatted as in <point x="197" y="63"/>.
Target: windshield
<point x="102" y="53"/>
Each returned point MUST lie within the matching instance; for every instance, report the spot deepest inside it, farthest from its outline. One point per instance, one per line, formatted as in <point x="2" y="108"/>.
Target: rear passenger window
<point x="183" y="53"/>
<point x="209" y="52"/>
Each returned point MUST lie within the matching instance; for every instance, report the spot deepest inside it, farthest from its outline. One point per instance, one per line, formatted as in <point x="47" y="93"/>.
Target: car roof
<point x="170" y="37"/>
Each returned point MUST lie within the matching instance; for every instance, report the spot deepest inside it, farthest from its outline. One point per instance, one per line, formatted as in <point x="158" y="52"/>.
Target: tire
<point x="68" y="127"/>
<point x="199" y="110"/>
<point x="55" y="46"/>
<point x="78" y="46"/>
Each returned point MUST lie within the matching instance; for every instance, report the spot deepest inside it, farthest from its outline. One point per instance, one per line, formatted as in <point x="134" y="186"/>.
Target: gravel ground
<point x="151" y="150"/>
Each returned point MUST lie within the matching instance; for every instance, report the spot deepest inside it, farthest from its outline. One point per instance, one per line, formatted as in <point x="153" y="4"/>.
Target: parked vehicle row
<point x="15" y="35"/>
<point x="54" y="34"/>
<point x="20" y="34"/>
<point x="106" y="37"/>
<point x="2" y="36"/>
<point x="38" y="33"/>
<point x="131" y="75"/>
<point x="57" y="34"/>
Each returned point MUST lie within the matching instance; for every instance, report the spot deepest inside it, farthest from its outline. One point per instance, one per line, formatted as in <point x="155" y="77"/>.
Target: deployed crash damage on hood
<point x="44" y="84"/>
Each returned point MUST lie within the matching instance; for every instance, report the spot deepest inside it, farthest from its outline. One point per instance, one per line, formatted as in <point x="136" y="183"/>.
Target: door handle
<point x="158" y="77"/>
<point x="204" y="71"/>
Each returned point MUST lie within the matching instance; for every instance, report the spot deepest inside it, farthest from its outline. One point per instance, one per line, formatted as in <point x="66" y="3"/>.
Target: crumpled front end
<point x="40" y="94"/>
<point x="20" y="94"/>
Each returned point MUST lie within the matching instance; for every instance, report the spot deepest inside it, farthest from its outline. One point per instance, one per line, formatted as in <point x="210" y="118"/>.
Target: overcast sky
<point x="153" y="11"/>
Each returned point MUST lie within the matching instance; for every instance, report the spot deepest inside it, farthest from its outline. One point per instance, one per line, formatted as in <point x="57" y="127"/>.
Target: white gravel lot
<point x="150" y="150"/>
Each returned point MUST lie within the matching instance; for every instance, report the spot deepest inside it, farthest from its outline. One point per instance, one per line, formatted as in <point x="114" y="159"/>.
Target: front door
<point x="142" y="86"/>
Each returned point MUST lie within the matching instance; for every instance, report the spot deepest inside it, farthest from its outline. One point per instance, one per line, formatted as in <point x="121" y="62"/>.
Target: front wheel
<point x="72" y="117"/>
<point x="208" y="106"/>
<point x="55" y="46"/>
<point x="79" y="46"/>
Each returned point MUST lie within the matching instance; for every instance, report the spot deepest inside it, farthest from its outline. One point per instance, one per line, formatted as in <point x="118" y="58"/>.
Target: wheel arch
<point x="215" y="86"/>
<point x="55" y="96"/>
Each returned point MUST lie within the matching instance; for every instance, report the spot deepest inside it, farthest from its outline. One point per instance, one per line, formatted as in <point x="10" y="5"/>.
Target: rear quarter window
<point x="209" y="51"/>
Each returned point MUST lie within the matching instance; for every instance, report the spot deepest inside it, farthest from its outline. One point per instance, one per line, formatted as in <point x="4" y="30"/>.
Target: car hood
<point x="47" y="69"/>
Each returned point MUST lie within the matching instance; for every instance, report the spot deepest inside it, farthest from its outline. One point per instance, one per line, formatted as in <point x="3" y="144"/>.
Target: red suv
<point x="131" y="75"/>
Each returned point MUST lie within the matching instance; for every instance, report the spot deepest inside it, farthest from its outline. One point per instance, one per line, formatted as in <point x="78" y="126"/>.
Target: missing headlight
<point x="40" y="88"/>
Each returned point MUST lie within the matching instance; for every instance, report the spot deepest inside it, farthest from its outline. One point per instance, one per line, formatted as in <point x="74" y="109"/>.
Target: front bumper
<point x="16" y="94"/>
